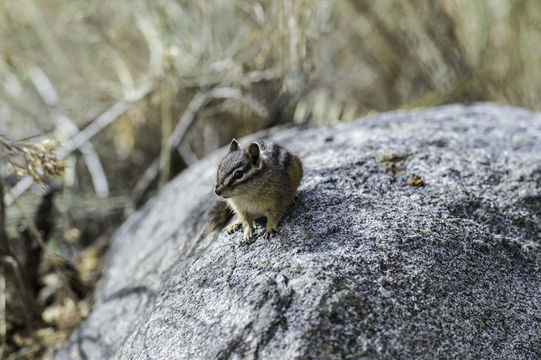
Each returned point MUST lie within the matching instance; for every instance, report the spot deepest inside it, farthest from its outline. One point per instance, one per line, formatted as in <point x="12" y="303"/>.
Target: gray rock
<point x="365" y="265"/>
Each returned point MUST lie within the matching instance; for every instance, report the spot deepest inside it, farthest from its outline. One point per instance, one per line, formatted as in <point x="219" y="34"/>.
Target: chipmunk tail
<point x="219" y="216"/>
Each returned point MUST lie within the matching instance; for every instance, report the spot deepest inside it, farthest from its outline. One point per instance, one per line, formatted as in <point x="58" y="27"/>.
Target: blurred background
<point x="112" y="99"/>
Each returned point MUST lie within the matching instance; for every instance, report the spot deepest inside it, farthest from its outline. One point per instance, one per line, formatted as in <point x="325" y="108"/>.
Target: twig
<point x="47" y="38"/>
<point x="176" y="137"/>
<point x="3" y="239"/>
<point x="84" y="136"/>
<point x="187" y="153"/>
<point x="32" y="311"/>
<point x="49" y="96"/>
<point x="62" y="268"/>
<point x="8" y="260"/>
<point x="202" y="99"/>
<point x="186" y="121"/>
<point x="154" y="42"/>
<point x="257" y="76"/>
<point x="165" y="150"/>
<point x="3" y="321"/>
<point x="3" y="233"/>
<point x="148" y="177"/>
<point x="36" y="234"/>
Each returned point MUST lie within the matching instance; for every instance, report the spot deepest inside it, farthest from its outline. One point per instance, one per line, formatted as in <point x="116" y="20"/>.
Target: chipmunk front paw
<point x="233" y="227"/>
<point x="249" y="235"/>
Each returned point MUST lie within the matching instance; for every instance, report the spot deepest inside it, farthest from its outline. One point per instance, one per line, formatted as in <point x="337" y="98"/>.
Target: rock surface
<point x="370" y="263"/>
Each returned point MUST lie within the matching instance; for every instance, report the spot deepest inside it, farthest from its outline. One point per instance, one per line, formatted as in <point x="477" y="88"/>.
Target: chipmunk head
<point x="238" y="169"/>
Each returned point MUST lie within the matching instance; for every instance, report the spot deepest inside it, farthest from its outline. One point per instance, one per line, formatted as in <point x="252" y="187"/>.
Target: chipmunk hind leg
<point x="273" y="218"/>
<point x="295" y="173"/>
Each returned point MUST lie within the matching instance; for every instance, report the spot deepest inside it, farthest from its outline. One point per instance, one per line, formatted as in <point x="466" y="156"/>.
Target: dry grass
<point x="35" y="159"/>
<point x="153" y="85"/>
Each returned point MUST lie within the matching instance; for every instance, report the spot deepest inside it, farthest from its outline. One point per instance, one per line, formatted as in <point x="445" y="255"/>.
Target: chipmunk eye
<point x="238" y="174"/>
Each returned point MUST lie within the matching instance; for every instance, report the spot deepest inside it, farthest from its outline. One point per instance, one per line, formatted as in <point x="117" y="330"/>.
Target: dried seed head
<point x="34" y="159"/>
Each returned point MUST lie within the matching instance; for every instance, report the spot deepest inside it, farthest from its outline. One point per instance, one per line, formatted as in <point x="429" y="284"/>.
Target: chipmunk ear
<point x="253" y="152"/>
<point x="234" y="145"/>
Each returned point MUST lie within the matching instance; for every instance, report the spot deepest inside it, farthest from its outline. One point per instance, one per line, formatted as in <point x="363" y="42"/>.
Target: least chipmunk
<point x="259" y="181"/>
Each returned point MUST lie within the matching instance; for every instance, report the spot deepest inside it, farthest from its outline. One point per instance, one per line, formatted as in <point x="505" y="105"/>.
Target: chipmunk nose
<point x="217" y="191"/>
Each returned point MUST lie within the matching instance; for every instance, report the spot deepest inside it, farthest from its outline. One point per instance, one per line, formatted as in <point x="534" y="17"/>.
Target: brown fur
<point x="270" y="178"/>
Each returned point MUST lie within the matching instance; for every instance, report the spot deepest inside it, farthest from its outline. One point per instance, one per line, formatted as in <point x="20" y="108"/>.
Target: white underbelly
<point x="248" y="206"/>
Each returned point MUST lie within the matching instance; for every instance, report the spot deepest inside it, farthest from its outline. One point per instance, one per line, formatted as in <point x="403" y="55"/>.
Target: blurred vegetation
<point x="135" y="91"/>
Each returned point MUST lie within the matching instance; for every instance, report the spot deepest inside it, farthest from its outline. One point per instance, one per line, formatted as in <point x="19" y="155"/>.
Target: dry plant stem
<point x="165" y="151"/>
<point x="9" y="261"/>
<point x="185" y="150"/>
<point x="31" y="226"/>
<point x="57" y="262"/>
<point x="49" y="96"/>
<point x="17" y="105"/>
<point x="148" y="176"/>
<point x="3" y="240"/>
<point x="3" y="233"/>
<point x="47" y="38"/>
<point x="105" y="119"/>
<point x="3" y="323"/>
<point x="198" y="102"/>
<point x="84" y="136"/>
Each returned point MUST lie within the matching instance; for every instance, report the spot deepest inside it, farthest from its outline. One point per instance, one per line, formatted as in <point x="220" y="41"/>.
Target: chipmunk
<point x="259" y="181"/>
